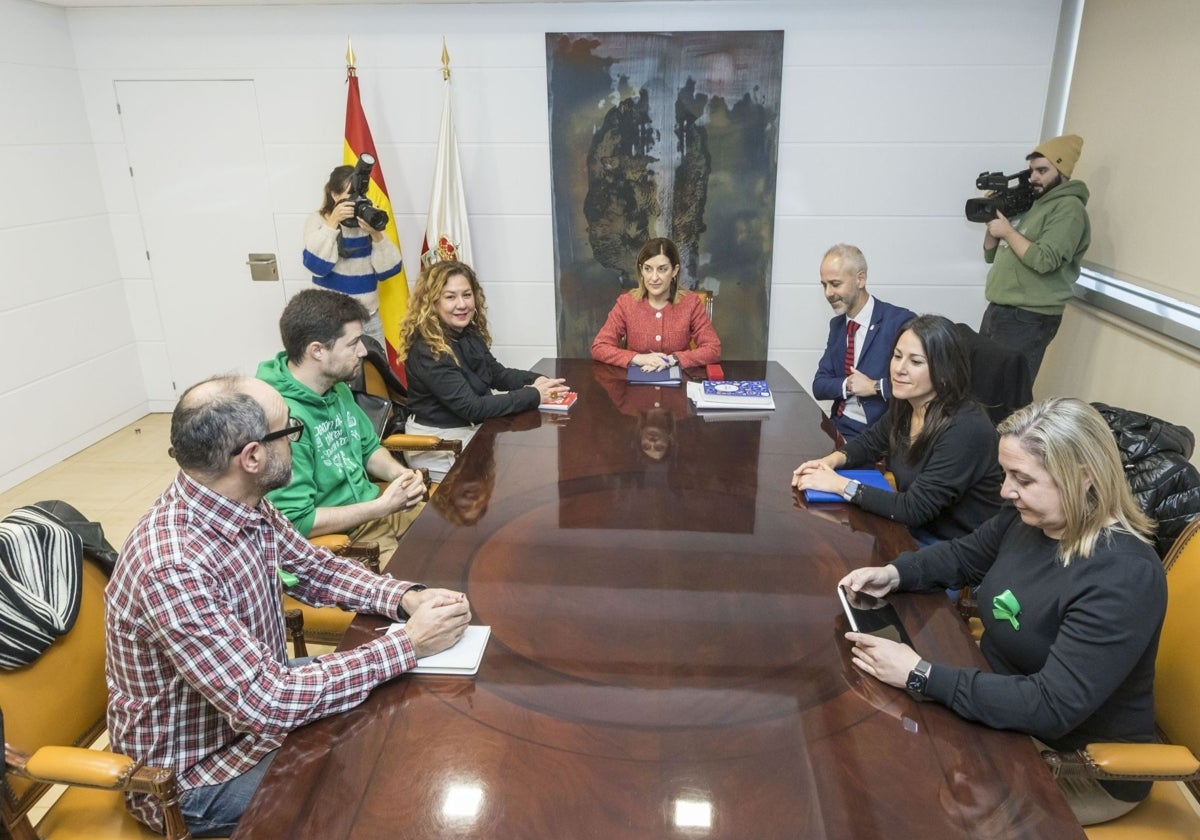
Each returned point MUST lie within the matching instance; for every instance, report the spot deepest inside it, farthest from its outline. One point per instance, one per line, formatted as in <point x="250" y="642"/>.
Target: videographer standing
<point x="346" y="254"/>
<point x="1035" y="264"/>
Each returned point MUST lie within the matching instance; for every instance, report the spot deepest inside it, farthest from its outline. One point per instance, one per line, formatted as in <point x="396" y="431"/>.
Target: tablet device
<point x="868" y="614"/>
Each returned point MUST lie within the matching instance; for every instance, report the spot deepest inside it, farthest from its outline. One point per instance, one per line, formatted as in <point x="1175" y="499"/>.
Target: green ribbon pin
<point x="289" y="579"/>
<point x="1006" y="608"/>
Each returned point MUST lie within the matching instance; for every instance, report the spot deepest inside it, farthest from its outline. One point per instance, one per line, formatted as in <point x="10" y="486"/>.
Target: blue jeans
<point x="1021" y="330"/>
<point x="214" y="810"/>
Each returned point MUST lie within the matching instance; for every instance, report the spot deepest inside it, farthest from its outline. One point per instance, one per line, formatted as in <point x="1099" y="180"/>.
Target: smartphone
<point x="868" y="614"/>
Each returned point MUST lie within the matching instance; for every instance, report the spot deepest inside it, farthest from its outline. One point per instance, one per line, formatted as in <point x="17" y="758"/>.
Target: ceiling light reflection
<point x="693" y="813"/>
<point x="462" y="802"/>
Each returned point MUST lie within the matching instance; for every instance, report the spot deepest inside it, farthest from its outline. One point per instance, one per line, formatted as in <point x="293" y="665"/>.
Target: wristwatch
<point x="879" y="387"/>
<point x="918" y="679"/>
<point x="851" y="490"/>
<point x="416" y="587"/>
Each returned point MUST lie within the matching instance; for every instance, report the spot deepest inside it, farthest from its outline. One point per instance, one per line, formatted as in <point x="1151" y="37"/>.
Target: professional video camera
<point x="360" y="182"/>
<point x="1011" y="201"/>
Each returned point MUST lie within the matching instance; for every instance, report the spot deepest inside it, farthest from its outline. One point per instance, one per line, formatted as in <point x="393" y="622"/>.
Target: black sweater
<point x="1080" y="668"/>
<point x="951" y="491"/>
<point x="445" y="394"/>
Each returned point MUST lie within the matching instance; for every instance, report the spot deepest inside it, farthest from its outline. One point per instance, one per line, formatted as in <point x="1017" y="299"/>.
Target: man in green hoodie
<point x="335" y="463"/>
<point x="1036" y="263"/>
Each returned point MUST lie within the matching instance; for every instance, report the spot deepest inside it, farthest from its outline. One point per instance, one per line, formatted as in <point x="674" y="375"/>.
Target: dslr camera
<point x="360" y="182"/>
<point x="1011" y="200"/>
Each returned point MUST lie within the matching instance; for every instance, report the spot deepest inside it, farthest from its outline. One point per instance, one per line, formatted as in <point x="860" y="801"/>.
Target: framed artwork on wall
<point x="664" y="134"/>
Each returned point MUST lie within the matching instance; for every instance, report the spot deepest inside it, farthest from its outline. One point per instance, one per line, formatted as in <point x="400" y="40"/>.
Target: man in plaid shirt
<point x="198" y="674"/>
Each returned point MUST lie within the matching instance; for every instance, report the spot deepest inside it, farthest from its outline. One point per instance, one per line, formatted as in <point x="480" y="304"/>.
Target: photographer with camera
<point x="344" y="245"/>
<point x="1036" y="263"/>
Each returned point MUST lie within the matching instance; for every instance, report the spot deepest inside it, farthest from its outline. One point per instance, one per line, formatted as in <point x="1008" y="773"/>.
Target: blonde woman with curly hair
<point x="454" y="381"/>
<point x="1071" y="593"/>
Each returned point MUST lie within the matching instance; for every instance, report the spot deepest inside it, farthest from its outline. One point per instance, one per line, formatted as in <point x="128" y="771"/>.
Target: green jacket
<point x="329" y="461"/>
<point x="1059" y="233"/>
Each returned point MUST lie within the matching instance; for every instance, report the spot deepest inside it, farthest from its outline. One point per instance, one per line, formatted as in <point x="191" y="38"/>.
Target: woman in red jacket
<point x="656" y="324"/>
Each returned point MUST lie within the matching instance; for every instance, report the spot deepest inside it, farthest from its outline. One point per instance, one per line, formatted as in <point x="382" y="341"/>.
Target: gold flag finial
<point x="350" y="58"/>
<point x="445" y="61"/>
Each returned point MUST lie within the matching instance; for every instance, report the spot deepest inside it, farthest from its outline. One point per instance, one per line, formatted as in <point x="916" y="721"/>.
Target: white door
<point x="200" y="177"/>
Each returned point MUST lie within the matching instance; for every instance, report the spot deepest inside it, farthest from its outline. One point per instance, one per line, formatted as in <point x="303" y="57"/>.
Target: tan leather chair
<point x="1166" y="814"/>
<point x="52" y="710"/>
<point x="377" y="379"/>
<point x="326" y="625"/>
<point x="707" y="298"/>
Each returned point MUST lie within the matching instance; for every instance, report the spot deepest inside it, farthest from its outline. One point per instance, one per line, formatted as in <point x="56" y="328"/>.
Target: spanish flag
<point x="393" y="292"/>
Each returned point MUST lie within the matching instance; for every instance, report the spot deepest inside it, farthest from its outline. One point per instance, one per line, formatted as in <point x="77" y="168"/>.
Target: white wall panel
<point x="878" y="179"/>
<point x="911" y="104"/>
<point x="46" y="261"/>
<point x="507" y="179"/>
<point x="497" y="108"/>
<point x="52" y="182"/>
<point x="48" y="416"/>
<point x="514" y="248"/>
<point x="51" y="99"/>
<point x="34" y="34"/>
<point x="520" y="314"/>
<point x="99" y="324"/>
<point x="60" y="289"/>
<point x="897" y="250"/>
<point x="142" y="303"/>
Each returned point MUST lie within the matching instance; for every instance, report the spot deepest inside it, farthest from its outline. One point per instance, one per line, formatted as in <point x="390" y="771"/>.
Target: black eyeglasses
<point x="293" y="433"/>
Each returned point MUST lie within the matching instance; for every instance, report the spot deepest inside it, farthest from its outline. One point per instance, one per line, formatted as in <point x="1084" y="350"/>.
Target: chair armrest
<point x="334" y="542"/>
<point x="1127" y="762"/>
<point x="104" y="770"/>
<point x="365" y="552"/>
<point x="293" y="620"/>
<point x="421" y="443"/>
<point x="79" y="766"/>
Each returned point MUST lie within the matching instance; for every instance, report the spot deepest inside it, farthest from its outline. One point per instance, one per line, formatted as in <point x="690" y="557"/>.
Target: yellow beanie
<point x="1063" y="152"/>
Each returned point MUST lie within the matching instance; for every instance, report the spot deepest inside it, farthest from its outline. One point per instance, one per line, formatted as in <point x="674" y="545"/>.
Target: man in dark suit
<point x="854" y="370"/>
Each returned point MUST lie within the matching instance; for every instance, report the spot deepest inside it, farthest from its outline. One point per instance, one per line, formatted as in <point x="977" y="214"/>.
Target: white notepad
<point x="462" y="658"/>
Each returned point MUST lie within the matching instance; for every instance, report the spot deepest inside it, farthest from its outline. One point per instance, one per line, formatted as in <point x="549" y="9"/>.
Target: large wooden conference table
<point x="666" y="657"/>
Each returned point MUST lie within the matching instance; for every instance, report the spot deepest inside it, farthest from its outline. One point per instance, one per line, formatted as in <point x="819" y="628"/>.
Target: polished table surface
<point x="666" y="656"/>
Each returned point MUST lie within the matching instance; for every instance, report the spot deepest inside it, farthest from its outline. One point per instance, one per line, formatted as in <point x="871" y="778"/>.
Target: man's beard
<point x="278" y="473"/>
<point x="1045" y="188"/>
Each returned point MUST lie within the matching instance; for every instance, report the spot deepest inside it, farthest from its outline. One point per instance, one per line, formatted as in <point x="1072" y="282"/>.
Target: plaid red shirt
<point x="198" y="675"/>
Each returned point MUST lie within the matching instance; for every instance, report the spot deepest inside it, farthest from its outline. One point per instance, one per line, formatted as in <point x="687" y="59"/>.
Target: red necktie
<point x="851" y="329"/>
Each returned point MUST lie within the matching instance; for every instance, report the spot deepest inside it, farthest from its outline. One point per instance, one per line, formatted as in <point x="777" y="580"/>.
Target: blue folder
<point x="872" y="478"/>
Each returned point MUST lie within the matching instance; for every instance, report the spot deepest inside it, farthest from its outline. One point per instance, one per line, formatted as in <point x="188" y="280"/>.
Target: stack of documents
<point x="736" y="394"/>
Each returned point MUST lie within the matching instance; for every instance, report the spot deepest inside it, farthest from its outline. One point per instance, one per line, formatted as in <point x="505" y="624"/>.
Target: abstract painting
<point x="664" y="134"/>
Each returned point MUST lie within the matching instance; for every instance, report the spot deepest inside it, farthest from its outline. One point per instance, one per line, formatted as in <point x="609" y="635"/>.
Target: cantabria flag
<point x="447" y="236"/>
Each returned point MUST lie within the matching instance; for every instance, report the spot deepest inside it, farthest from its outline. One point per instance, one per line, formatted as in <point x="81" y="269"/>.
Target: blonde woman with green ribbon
<point x="1071" y="594"/>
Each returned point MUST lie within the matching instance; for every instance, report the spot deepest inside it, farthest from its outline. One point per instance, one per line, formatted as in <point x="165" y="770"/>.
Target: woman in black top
<point x="1072" y="599"/>
<point x="453" y="378"/>
<point x="936" y="440"/>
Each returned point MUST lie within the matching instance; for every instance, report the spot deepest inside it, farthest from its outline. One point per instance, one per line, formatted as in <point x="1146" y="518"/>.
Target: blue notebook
<point x="669" y="376"/>
<point x="872" y="478"/>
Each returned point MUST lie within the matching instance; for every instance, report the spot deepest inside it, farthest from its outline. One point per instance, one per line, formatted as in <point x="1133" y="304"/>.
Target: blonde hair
<point x="1076" y="447"/>
<point x="422" y="320"/>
